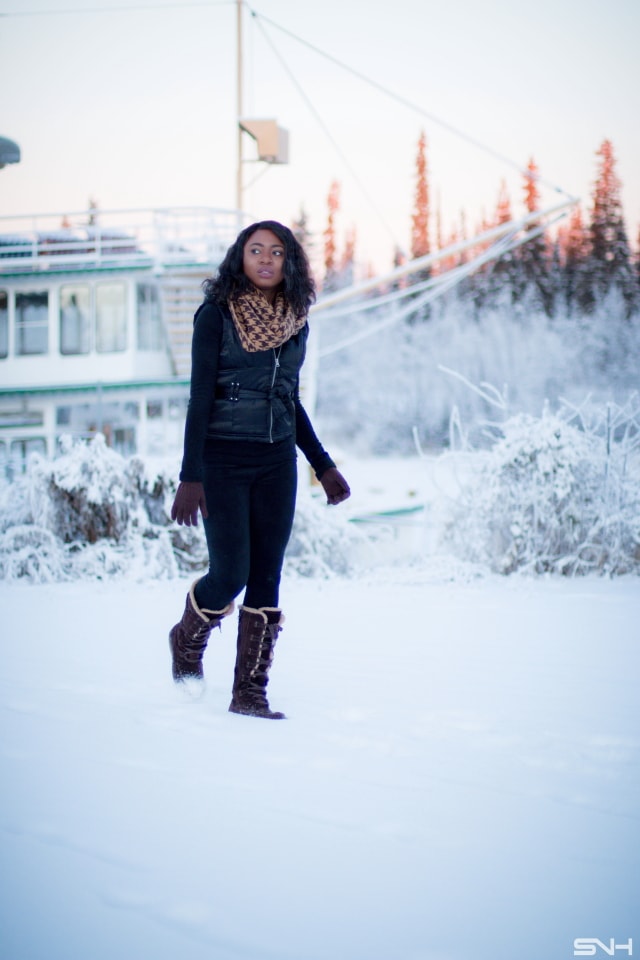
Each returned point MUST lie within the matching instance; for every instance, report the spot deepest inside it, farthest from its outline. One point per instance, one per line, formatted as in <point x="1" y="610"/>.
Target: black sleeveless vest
<point x="254" y="395"/>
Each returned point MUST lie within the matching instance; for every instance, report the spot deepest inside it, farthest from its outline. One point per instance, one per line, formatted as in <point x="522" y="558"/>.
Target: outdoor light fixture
<point x="272" y="140"/>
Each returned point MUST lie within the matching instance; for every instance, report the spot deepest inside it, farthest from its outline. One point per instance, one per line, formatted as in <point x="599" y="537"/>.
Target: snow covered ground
<point x="457" y="778"/>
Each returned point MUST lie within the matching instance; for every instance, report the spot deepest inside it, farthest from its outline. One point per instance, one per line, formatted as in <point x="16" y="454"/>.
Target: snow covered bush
<point x="560" y="493"/>
<point x="88" y="494"/>
<point x="87" y="514"/>
<point x="323" y="543"/>
<point x="92" y="514"/>
<point x="30" y="552"/>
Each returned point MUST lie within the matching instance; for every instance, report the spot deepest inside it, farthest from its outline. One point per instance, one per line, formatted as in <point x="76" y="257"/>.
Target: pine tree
<point x="574" y="257"/>
<point x="556" y="272"/>
<point x="503" y="206"/>
<point x="347" y="261"/>
<point x="439" y="265"/>
<point x="610" y="263"/>
<point x="497" y="276"/>
<point x="420" y="246"/>
<point x="532" y="258"/>
<point x="333" y="203"/>
<point x="463" y="256"/>
<point x="399" y="260"/>
<point x="399" y="257"/>
<point x="531" y="191"/>
<point x="300" y="230"/>
<point x="452" y="259"/>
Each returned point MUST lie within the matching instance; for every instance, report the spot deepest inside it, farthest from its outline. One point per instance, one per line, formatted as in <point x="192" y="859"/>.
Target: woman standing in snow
<point x="243" y="423"/>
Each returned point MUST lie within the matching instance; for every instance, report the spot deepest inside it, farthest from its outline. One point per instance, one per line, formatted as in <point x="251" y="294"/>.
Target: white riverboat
<point x="96" y="312"/>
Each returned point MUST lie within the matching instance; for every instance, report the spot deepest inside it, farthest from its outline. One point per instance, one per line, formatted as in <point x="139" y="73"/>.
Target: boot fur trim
<point x="205" y="614"/>
<point x="268" y="610"/>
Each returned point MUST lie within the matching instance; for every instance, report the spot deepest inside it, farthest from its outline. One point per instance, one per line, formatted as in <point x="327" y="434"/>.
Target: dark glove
<point x="335" y="486"/>
<point x="189" y="498"/>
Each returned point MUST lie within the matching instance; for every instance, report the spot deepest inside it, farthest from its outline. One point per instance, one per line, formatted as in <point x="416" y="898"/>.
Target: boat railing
<point x="91" y="239"/>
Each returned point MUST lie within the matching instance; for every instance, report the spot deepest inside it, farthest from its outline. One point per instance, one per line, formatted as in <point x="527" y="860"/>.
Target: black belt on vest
<point x="233" y="392"/>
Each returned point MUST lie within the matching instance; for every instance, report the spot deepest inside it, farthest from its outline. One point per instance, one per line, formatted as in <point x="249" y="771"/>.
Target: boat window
<point x="111" y="318"/>
<point x="149" y="328"/>
<point x="7" y="467"/>
<point x="75" y="306"/>
<point x="21" y="450"/>
<point x="177" y="408"/>
<point x="63" y="416"/>
<point x="123" y="441"/>
<point x="32" y="323"/>
<point x="4" y="324"/>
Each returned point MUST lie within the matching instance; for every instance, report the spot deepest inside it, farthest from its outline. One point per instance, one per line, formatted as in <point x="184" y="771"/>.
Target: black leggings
<point x="250" y="518"/>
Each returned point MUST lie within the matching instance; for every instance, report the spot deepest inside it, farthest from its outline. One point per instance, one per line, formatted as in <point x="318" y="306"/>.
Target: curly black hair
<point x="298" y="285"/>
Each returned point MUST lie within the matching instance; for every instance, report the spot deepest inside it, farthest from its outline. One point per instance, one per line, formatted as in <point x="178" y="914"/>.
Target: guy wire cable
<point x="326" y="130"/>
<point x="417" y="109"/>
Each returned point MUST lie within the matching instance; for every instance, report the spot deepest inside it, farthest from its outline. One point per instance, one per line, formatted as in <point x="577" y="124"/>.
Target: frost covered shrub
<point x="88" y="513"/>
<point x="91" y="514"/>
<point x="30" y="552"/>
<point x="554" y="496"/>
<point x="323" y="543"/>
<point x="88" y="494"/>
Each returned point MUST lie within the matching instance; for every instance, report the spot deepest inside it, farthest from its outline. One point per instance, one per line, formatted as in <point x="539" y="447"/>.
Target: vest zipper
<point x="276" y="364"/>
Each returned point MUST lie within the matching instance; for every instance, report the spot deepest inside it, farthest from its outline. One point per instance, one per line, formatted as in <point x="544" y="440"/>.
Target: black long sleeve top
<point x="205" y="348"/>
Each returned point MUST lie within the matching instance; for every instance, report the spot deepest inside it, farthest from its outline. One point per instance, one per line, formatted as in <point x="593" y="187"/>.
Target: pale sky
<point x="137" y="106"/>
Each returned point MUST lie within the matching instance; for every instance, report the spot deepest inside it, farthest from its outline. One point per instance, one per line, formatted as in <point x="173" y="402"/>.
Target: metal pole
<point x="239" y="186"/>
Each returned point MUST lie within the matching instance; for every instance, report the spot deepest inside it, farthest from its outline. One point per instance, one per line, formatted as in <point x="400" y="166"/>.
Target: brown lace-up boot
<point x="188" y="639"/>
<point x="257" y="634"/>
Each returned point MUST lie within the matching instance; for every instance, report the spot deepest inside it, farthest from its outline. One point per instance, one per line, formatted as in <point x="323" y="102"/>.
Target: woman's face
<point x="263" y="262"/>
